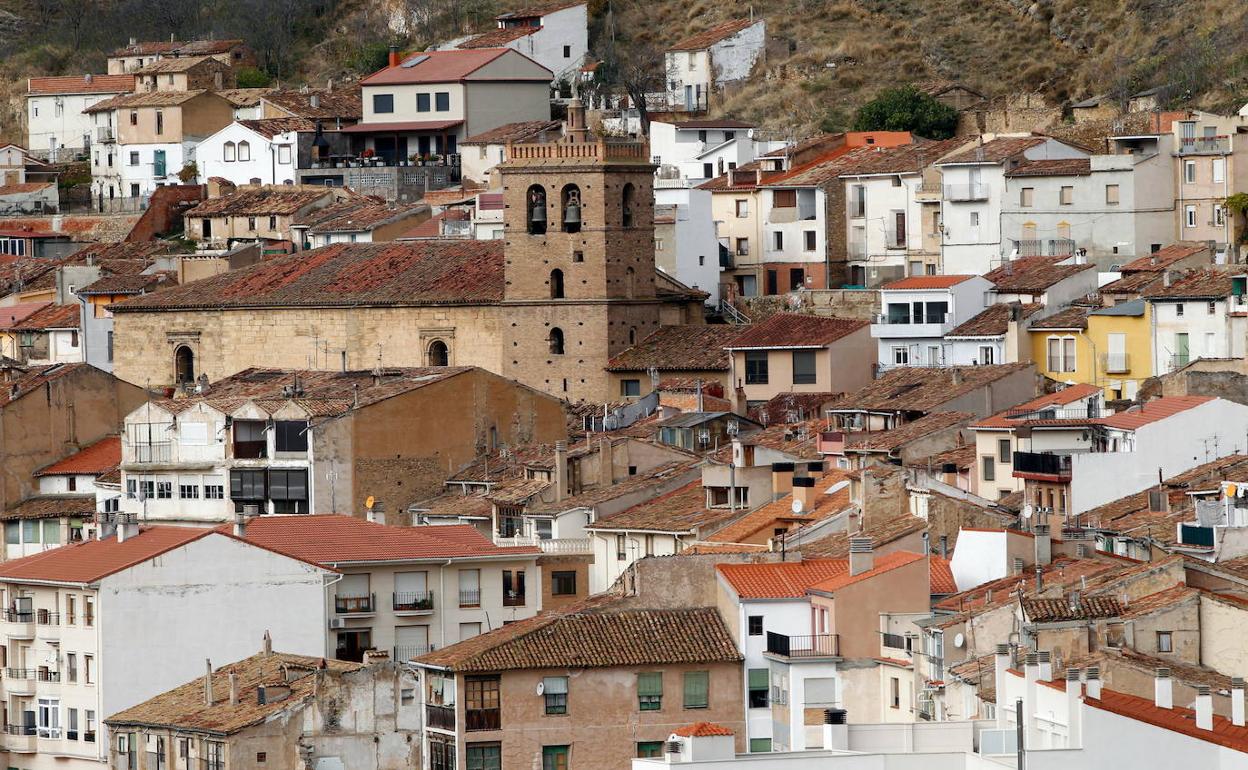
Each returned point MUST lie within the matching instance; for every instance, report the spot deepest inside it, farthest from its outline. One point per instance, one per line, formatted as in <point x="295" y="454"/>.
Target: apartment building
<point x="690" y="353"/>
<point x="55" y="122"/>
<point x="77" y="648"/>
<point x="919" y="311"/>
<point x="690" y="152"/>
<point x="534" y="690"/>
<point x="701" y="64"/>
<point x="998" y="334"/>
<point x="1209" y="166"/>
<point x="316" y="441"/>
<point x="405" y="590"/>
<point x="1198" y="314"/>
<point x="553" y="34"/>
<point x="141" y="53"/>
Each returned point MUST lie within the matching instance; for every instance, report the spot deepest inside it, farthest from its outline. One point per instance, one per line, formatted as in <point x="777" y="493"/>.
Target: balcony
<point x="803" y="647"/>
<point x="1115" y="363"/>
<point x="1041" y="466"/>
<point x="1179" y="360"/>
<point x="440" y="717"/>
<point x="929" y="326"/>
<point x="857" y="250"/>
<point x="966" y="192"/>
<point x="251" y="450"/>
<point x="928" y="191"/>
<point x="1089" y="412"/>
<point x="21" y="739"/>
<point x="358" y="604"/>
<point x="104" y="134"/>
<point x="548" y="545"/>
<point x="1044" y="247"/>
<point x="19" y="623"/>
<point x="412" y="601"/>
<point x="1205" y="145"/>
<point x="482" y="719"/>
<point x="152" y="452"/>
<point x="405" y="652"/>
<point x="469" y="598"/>
<point x="44" y="675"/>
<point x="513" y="599"/>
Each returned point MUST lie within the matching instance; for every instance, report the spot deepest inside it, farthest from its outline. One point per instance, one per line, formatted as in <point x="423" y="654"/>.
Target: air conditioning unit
<point x="337" y="623"/>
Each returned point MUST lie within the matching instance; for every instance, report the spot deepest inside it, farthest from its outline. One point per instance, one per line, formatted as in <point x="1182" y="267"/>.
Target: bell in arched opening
<point x="572" y="210"/>
<point x="537" y="210"/>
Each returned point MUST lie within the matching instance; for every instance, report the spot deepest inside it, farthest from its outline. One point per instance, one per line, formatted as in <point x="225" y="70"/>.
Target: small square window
<point x="1165" y="642"/>
<point x="755" y="625"/>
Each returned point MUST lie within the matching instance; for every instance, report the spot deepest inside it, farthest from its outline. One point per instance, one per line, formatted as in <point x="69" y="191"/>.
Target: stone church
<point x="571" y="284"/>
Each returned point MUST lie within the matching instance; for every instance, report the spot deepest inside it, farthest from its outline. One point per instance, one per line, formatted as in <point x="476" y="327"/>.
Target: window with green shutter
<point x="650" y="691"/>
<point x="649" y="749"/>
<point x="757" y="686"/>
<point x="697" y="686"/>
<point x="758" y="745"/>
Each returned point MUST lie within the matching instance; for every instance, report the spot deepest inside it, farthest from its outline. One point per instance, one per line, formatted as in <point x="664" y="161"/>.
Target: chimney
<point x="1093" y="683"/>
<point x="377" y="513"/>
<point x="89" y="78"/>
<point x="927" y="543"/>
<point x="949" y="474"/>
<point x="1204" y="708"/>
<point x="561" y="470"/>
<point x="1031" y="676"/>
<point x="861" y="556"/>
<point x="314" y="101"/>
<point x="781" y="480"/>
<point x="233" y="689"/>
<point x="208" y="683"/>
<point x="804" y="492"/>
<point x="1046" y="665"/>
<point x="955" y="374"/>
<point x="944" y="546"/>
<point x="127" y="527"/>
<point x="731" y="176"/>
<point x="394" y="56"/>
<point x="267" y="645"/>
<point x="1044" y="545"/>
<point x="1166" y="278"/>
<point x="1163" y="689"/>
<point x="1074" y="713"/>
<point x="1000" y="667"/>
<point x="1237" y="701"/>
<point x="835" y="730"/>
<point x="606" y="463"/>
<point x="1039" y="580"/>
<point x="240" y="525"/>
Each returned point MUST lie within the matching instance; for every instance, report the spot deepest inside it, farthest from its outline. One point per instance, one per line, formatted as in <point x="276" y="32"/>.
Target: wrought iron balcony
<point x="807" y="646"/>
<point x="412" y="601"/>
<point x="359" y="603"/>
<point x="1042" y="464"/>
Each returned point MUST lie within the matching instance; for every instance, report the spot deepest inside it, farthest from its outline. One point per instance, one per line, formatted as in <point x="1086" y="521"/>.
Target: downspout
<point x="329" y="654"/>
<point x="442" y="597"/>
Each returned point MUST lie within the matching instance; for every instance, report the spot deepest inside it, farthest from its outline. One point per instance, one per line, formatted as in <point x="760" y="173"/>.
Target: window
<point x="803" y="367"/>
<point x="288" y="489"/>
<point x="88" y="723"/>
<point x="484" y="756"/>
<point x="441" y="753"/>
<point x="1165" y="642"/>
<point x="563" y="583"/>
<point x="757" y="685"/>
<point x="755" y="367"/>
<point x="755" y="625"/>
<point x="555" y="692"/>
<point x="743" y="247"/>
<point x="188" y="491"/>
<point x="251" y="224"/>
<point x="383" y="103"/>
<point x="71" y="731"/>
<point x="160" y="122"/>
<point x="743" y="208"/>
<point x="1212" y="309"/>
<point x="810" y="240"/>
<point x="1189" y="216"/>
<point x="88" y="661"/>
<point x="649" y="749"/>
<point x="1061" y="354"/>
<point x="134" y="117"/>
<point x="513" y="588"/>
<point x="470" y="588"/>
<point x="1111" y="195"/>
<point x="567" y="52"/>
<point x="214" y="491"/>
<point x="1219" y="216"/>
<point x="777" y="241"/>
<point x="71" y="609"/>
<point x="482" y="702"/>
<point x="784" y="199"/>
<point x="1026" y="196"/>
<point x="1004" y="451"/>
<point x="1178" y="309"/>
<point x="164" y="490"/>
<point x="247" y="484"/>
<point x="1189" y="171"/>
<point x="442" y="101"/>
<point x="630" y="388"/>
<point x="760" y="745"/>
<point x="974" y="219"/>
<point x="422" y="102"/>
<point x="272" y="222"/>
<point x="71" y="667"/>
<point x="228" y="152"/>
<point x="901" y="356"/>
<point x="1219" y="170"/>
<point x="244" y="150"/>
<point x="134" y="158"/>
<point x="283" y="153"/>
<point x="1066" y="196"/>
<point x="894" y="692"/>
<point x="554" y="758"/>
<point x="987" y="354"/>
<point x="650" y="691"/>
<point x="291" y="435"/>
<point x="989" y="466"/>
<point x="88" y="619"/>
<point x="49" y="718"/>
<point x="697" y="689"/>
<point x="556" y="341"/>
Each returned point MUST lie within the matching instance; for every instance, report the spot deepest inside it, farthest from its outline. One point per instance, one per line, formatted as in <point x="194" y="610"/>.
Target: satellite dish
<point x="1027" y="511"/>
<point x="797" y="505"/>
<point x="368" y="502"/>
<point x="959" y="640"/>
<point x="541" y="687"/>
<point x="1230" y="490"/>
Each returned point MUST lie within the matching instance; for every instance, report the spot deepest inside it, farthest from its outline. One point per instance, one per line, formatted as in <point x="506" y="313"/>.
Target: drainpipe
<point x="442" y="598"/>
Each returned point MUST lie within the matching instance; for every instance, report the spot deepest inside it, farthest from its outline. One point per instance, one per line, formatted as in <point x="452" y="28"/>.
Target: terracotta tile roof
<point x="20" y="188"/>
<point x="927" y="282"/>
<point x="900" y="159"/>
<point x="1033" y="275"/>
<point x="882" y="563"/>
<point x="133" y="251"/>
<point x="744" y="178"/>
<point x="243" y="97"/>
<point x="798" y="440"/>
<point x="258" y="201"/>
<point x="792" y="407"/>
<point x="466" y="272"/>
<point x="183" y="708"/>
<point x="710" y="37"/>
<point x="696" y="347"/>
<point x="1060" y="573"/>
<point x="81" y="84"/>
<point x="1019" y="414"/>
<point x="595" y="634"/>
<point x="497" y="38"/>
<point x="97" y="458"/>
<point x="144" y="99"/>
<point x="822" y="170"/>
<point x="93" y="560"/>
<point x="524" y="131"/>
<point x="335" y="539"/>
<point x="358" y="214"/>
<point x="780" y="580"/>
<point x="1055" y="167"/>
<point x="1203" y="476"/>
<point x="1177" y="719"/>
<point x="147" y="48"/>
<point x="681" y="510"/>
<point x="538" y="9"/>
<point x="454" y="505"/>
<point x="1132" y="283"/>
<point x="339" y="103"/>
<point x="1160" y="600"/>
<point x="439" y="67"/>
<point x="1154" y="410"/>
<point x="994" y="321"/>
<point x="882" y="533"/>
<point x="655" y="477"/>
<point x="139" y="283"/>
<point x="1163" y="258"/>
<point x="12" y="316"/>
<point x="52" y="507"/>
<point x="921" y="389"/>
<point x="177" y="64"/>
<point x="271" y="127"/>
<point x="50" y="317"/>
<point x="1073" y="317"/>
<point x="996" y="150"/>
<point x="702" y="730"/>
<point x="784" y="330"/>
<point x="779" y="513"/>
<point x="941" y="575"/>
<point x="1038" y="610"/>
<point x="701" y="123"/>
<point x="206" y="47"/>
<point x="1194" y="284"/>
<point x="890" y="441"/>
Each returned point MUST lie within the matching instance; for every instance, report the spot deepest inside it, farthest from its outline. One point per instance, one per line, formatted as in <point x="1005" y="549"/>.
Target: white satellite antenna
<point x="1027" y="511"/>
<point x="797" y="505"/>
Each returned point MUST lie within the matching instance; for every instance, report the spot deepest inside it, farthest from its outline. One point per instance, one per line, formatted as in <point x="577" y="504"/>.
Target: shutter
<point x="410" y="582"/>
<point x="758" y="679"/>
<point x="650" y="684"/>
<point x="784" y="199"/>
<point x="353" y="585"/>
<point x="555" y="685"/>
<point x="695" y="689"/>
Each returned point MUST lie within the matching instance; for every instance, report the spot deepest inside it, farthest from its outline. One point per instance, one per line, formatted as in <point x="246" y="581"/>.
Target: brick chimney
<point x="394" y="56"/>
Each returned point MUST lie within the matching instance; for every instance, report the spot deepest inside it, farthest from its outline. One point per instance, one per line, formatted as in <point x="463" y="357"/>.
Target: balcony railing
<point x="897" y="641"/>
<point x="48" y="676"/>
<point x="482" y="719"/>
<point x="250" y="450"/>
<point x="211" y="764"/>
<point x="404" y="652"/>
<point x="513" y="599"/>
<point x="966" y="192"/>
<point x="895" y="238"/>
<point x="154" y="452"/>
<point x="470" y="598"/>
<point x="1042" y="464"/>
<point x="19" y="616"/>
<point x="1205" y="145"/>
<point x="1116" y="363"/>
<point x="344" y="603"/>
<point x="19" y="673"/>
<point x="20" y="730"/>
<point x="1089" y="412"/>
<point x="1180" y="360"/>
<point x="412" y="601"/>
<point x="441" y="717"/>
<point x="46" y="618"/>
<point x="548" y="545"/>
<point x="808" y="646"/>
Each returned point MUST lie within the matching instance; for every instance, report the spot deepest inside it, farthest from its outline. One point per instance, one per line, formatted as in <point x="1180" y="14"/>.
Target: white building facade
<point x="248" y="153"/>
<point x="917" y="314"/>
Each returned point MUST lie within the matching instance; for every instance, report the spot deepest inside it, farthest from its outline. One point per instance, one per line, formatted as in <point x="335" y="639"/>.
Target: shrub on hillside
<point x="907" y="109"/>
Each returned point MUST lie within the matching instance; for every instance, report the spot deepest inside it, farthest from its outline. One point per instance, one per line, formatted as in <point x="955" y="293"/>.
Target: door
<point x="158" y="163"/>
<point x="352" y="644"/>
<point x="411" y="591"/>
<point x="689" y="98"/>
<point x="772" y="287"/>
<point x="975" y="179"/>
<point x="1182" y="351"/>
<point x="899" y="228"/>
<point x="207" y="228"/>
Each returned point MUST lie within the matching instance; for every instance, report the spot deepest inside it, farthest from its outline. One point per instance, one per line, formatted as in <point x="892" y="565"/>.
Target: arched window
<point x="535" y="210"/>
<point x="244" y="150"/>
<point x="629" y="280"/>
<point x="556" y="284"/>
<point x="570" y="207"/>
<point x="439" y="354"/>
<point x="228" y="154"/>
<point x="183" y="365"/>
<point x="632" y="335"/>
<point x="626" y="205"/>
<point x="556" y="341"/>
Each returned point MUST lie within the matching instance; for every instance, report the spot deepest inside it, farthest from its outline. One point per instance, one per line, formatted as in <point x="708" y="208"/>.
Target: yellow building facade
<point x="1110" y="348"/>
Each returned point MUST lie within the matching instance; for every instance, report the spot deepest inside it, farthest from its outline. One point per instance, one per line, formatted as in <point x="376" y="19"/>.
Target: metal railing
<point x="20" y="730"/>
<point x="48" y="676"/>
<point x="1180" y="360"/>
<point x="482" y="719"/>
<point x="404" y="652"/>
<point x="513" y="599"/>
<point x="897" y="641"/>
<point x="19" y="616"/>
<point x="1116" y="363"/>
<point x="1044" y="247"/>
<point x="935" y="318"/>
<point x="346" y="603"/>
<point x="1042" y="463"/>
<point x="154" y="452"/>
<point x="966" y="192"/>
<point x="1089" y="412"/>
<point x="806" y="646"/>
<point x="46" y="618"/>
<point x="470" y="598"/>
<point x="441" y="717"/>
<point x="104" y="133"/>
<point x="19" y="673"/>
<point x="1199" y="145"/>
<point x="411" y="601"/>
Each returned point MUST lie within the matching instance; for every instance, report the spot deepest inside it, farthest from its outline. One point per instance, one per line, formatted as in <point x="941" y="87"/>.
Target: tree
<point x="907" y="109"/>
<point x="250" y="77"/>
<point x="637" y="68"/>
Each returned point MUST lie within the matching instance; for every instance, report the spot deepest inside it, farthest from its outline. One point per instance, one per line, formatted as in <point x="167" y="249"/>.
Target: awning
<point x="390" y="128"/>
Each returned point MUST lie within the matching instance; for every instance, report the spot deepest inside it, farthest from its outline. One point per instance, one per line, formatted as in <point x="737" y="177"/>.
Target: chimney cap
<point x="861" y="544"/>
<point x="804" y="481"/>
<point x="1163" y="672"/>
<point x="1072" y="675"/>
<point x="782" y="467"/>
<point x="1203" y="689"/>
<point x="1094" y="672"/>
<point x="1003" y="649"/>
<point x="1237" y="683"/>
